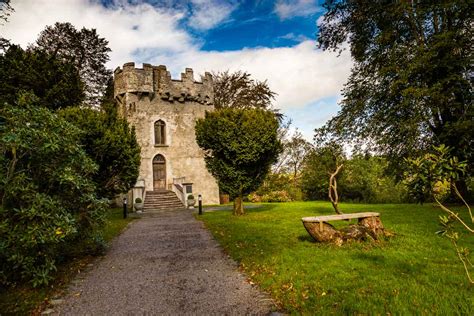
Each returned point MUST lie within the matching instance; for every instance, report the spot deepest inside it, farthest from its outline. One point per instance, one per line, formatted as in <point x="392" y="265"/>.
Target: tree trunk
<point x="374" y="225"/>
<point x="333" y="196"/>
<point x="322" y="232"/>
<point x="238" y="206"/>
<point x="462" y="188"/>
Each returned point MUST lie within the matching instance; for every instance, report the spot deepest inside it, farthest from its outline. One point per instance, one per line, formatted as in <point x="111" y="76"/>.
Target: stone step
<point x="160" y="198"/>
<point x="163" y="205"/>
<point x="162" y="208"/>
<point x="161" y="201"/>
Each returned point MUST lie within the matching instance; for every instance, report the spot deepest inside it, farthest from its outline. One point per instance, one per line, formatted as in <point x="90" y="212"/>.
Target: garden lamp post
<point x="200" y="204"/>
<point x="124" y="207"/>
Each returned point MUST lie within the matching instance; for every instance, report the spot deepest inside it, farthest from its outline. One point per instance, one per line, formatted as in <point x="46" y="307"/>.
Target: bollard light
<point x="124" y="207"/>
<point x="200" y="204"/>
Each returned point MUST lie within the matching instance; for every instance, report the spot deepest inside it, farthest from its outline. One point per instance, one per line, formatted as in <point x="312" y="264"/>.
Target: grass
<point x="24" y="300"/>
<point x="414" y="272"/>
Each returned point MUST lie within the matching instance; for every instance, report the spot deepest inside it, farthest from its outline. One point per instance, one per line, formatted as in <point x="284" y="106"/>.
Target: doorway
<point x="159" y="173"/>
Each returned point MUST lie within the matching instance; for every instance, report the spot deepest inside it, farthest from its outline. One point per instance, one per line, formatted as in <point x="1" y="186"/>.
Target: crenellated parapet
<point x="156" y="81"/>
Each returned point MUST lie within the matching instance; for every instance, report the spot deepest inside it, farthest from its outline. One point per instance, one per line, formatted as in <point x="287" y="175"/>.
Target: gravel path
<point x="167" y="264"/>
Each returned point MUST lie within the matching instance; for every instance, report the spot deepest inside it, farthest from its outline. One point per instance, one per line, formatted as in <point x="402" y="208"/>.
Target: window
<point x="160" y="135"/>
<point x="189" y="188"/>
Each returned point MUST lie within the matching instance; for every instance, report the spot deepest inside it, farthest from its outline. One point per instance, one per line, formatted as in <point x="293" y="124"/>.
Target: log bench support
<point x="369" y="225"/>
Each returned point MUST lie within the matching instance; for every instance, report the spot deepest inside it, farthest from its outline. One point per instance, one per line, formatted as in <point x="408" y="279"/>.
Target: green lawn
<point x="24" y="300"/>
<point x="414" y="272"/>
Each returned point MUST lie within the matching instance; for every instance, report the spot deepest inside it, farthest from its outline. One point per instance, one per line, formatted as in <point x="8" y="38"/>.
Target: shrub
<point x="47" y="195"/>
<point x="254" y="198"/>
<point x="112" y="144"/>
<point x="190" y="197"/>
<point x="138" y="200"/>
<point x="276" y="196"/>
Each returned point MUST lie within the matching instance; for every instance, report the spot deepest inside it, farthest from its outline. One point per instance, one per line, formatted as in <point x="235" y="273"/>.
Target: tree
<point x="54" y="82"/>
<point x="332" y="192"/>
<point x="47" y="196"/>
<point x="365" y="179"/>
<point x="294" y="152"/>
<point x="240" y="146"/>
<point x="411" y="83"/>
<point x="320" y="162"/>
<point x="433" y="174"/>
<point x="5" y="9"/>
<point x="238" y="90"/>
<point x="112" y="144"/>
<point x="85" y="50"/>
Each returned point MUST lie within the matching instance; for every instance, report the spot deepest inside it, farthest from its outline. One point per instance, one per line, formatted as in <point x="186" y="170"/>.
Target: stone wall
<point x="147" y="95"/>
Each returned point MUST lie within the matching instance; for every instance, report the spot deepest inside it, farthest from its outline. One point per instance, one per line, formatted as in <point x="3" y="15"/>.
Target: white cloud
<point x="287" y="9"/>
<point x="206" y="14"/>
<point x="126" y="27"/>
<point x="301" y="75"/>
<point x="293" y="37"/>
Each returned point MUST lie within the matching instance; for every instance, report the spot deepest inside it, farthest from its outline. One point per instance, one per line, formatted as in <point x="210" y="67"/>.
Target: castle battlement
<point x="156" y="81"/>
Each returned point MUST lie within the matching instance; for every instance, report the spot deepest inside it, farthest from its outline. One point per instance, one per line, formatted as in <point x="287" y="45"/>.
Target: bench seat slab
<point x="328" y="218"/>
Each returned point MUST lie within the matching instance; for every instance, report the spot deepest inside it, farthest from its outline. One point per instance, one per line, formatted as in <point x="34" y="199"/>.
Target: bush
<point x="47" y="194"/>
<point x="190" y="197"/>
<point x="138" y="200"/>
<point x="274" y="196"/>
<point x="112" y="144"/>
<point x="254" y="198"/>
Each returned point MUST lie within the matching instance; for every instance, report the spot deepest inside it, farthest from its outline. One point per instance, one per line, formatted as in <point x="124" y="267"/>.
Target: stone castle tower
<point x="164" y="112"/>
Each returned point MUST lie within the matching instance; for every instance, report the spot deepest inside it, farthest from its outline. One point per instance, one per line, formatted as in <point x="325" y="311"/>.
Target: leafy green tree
<point x="5" y="9"/>
<point x="411" y="83"/>
<point x="319" y="163"/>
<point x="85" y="50"/>
<point x="434" y="174"/>
<point x="238" y="90"/>
<point x="294" y="152"/>
<point x="240" y="146"/>
<point x="55" y="83"/>
<point x="365" y="179"/>
<point x="47" y="195"/>
<point x="112" y="144"/>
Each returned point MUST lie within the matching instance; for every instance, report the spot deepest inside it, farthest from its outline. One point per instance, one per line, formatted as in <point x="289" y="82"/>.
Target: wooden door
<point x="159" y="173"/>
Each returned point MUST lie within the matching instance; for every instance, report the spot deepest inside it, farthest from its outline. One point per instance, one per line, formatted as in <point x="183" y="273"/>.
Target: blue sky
<point x="258" y="25"/>
<point x="272" y="40"/>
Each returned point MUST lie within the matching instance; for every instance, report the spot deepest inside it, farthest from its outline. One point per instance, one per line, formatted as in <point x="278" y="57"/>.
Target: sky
<point x="272" y="40"/>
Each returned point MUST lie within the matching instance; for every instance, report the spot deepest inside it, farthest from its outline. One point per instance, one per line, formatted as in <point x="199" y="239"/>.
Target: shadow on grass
<point x="306" y="238"/>
<point x="248" y="208"/>
<point x="257" y="208"/>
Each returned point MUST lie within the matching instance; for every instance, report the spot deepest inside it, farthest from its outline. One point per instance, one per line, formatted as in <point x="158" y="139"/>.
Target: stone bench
<point x="319" y="228"/>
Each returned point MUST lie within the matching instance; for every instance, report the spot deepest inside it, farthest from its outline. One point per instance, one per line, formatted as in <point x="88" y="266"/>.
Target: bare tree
<point x="333" y="196"/>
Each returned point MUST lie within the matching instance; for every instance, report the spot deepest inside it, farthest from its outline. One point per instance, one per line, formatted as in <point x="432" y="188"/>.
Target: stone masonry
<point x="148" y="95"/>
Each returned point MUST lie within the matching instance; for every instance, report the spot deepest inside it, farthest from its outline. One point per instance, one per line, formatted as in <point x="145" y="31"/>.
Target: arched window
<point x="160" y="132"/>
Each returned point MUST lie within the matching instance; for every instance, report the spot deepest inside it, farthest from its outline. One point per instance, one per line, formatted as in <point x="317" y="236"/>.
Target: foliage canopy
<point x="113" y="146"/>
<point x="238" y="90"/>
<point x="85" y="50"/>
<point x="55" y="83"/>
<point x="240" y="146"/>
<point x="411" y="83"/>
<point x="48" y="196"/>
<point x="434" y="174"/>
